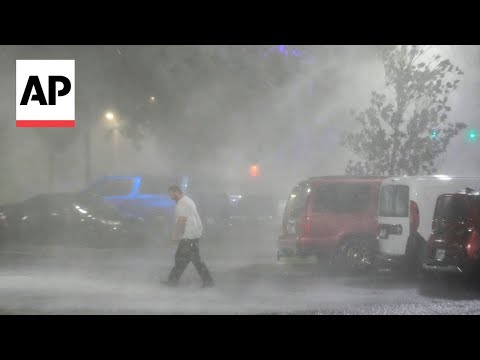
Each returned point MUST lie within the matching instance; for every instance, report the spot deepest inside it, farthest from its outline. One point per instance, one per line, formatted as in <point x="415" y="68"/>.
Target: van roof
<point x="346" y="178"/>
<point x="423" y="181"/>
<point x="467" y="192"/>
<point x="429" y="177"/>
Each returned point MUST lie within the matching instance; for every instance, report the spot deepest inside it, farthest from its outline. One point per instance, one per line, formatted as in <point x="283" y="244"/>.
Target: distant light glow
<point x="283" y="49"/>
<point x="254" y="170"/>
<point x="296" y="53"/>
<point x="443" y="177"/>
<point x="286" y="50"/>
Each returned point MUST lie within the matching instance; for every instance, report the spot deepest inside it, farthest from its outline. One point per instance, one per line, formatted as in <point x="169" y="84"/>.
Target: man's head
<point x="175" y="192"/>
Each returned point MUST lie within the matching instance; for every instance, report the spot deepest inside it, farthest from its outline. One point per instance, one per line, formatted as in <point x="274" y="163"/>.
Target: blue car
<point x="140" y="197"/>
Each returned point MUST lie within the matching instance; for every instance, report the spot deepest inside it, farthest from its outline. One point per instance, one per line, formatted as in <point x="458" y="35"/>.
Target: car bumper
<point x="451" y="269"/>
<point x="459" y="266"/>
<point x="453" y="260"/>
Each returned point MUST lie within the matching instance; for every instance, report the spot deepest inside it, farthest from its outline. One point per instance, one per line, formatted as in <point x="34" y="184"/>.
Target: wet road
<point x="249" y="280"/>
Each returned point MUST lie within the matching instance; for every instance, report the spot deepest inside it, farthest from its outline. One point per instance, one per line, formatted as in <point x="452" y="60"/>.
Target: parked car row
<point x="406" y="216"/>
<point x="419" y="224"/>
<point x="79" y="219"/>
<point x="413" y="223"/>
<point x="128" y="207"/>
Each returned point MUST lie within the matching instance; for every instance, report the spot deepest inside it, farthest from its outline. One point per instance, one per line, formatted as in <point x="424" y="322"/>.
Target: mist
<point x="243" y="132"/>
<point x="213" y="127"/>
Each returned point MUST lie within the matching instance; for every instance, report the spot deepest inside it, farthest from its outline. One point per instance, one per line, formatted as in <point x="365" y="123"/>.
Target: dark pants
<point x="188" y="250"/>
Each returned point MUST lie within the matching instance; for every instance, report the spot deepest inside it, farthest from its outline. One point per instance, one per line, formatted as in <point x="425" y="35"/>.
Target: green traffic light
<point x="472" y="135"/>
<point x="434" y="135"/>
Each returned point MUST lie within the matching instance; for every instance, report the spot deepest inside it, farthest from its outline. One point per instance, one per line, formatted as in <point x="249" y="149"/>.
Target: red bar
<point x="45" y="123"/>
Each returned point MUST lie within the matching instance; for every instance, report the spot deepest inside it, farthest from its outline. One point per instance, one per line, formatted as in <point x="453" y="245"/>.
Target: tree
<point x="405" y="131"/>
<point x="198" y="88"/>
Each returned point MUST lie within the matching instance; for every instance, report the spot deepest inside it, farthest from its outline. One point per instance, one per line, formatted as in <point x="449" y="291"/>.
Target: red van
<point x="333" y="216"/>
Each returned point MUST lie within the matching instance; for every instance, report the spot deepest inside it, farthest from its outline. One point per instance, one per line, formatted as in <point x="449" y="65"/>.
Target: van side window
<point x="341" y="198"/>
<point x="451" y="208"/>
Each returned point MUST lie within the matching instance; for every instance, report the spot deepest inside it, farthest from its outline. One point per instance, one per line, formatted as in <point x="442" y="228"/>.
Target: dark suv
<point x="333" y="216"/>
<point x="454" y="245"/>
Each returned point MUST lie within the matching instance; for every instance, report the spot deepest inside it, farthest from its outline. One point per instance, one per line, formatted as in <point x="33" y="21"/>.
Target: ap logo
<point x="45" y="93"/>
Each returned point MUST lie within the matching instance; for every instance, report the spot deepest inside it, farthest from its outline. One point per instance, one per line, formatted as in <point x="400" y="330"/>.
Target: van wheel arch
<point x="345" y="255"/>
<point x="414" y="254"/>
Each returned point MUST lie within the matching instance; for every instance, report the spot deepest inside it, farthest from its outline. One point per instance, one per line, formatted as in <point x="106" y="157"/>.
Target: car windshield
<point x="451" y="208"/>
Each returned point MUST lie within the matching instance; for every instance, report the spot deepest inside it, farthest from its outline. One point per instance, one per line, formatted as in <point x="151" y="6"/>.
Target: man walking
<point x="188" y="231"/>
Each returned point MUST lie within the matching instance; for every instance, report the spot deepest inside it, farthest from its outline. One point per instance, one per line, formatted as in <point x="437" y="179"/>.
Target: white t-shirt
<point x="186" y="207"/>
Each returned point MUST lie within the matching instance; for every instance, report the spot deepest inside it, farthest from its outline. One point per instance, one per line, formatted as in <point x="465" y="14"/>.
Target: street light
<point x="111" y="120"/>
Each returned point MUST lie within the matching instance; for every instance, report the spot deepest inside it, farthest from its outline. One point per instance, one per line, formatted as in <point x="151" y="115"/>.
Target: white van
<point x="405" y="213"/>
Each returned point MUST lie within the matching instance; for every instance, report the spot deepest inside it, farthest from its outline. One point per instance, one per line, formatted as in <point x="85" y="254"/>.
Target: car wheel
<point x="354" y="256"/>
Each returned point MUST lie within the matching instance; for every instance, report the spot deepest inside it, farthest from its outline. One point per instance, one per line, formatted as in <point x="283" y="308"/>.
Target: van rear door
<point x="394" y="218"/>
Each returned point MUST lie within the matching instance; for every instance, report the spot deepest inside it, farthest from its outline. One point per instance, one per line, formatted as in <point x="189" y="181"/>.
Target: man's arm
<point x="179" y="228"/>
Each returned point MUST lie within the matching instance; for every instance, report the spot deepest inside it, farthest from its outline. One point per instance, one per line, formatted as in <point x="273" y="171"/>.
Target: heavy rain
<point x="288" y="179"/>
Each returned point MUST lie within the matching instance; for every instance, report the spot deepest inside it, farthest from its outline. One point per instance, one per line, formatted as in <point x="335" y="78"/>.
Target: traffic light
<point x="254" y="170"/>
<point x="434" y="134"/>
<point x="472" y="135"/>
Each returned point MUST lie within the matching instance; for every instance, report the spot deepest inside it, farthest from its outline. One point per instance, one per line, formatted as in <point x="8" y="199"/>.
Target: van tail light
<point x="307" y="226"/>
<point x="473" y="245"/>
<point x="414" y="217"/>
